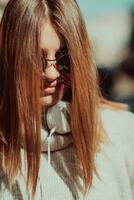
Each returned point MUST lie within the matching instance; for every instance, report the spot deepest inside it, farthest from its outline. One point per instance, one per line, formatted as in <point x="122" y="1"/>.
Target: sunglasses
<point x="62" y="62"/>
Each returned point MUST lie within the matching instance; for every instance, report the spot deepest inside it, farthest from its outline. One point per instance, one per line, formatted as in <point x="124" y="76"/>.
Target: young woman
<point x="59" y="138"/>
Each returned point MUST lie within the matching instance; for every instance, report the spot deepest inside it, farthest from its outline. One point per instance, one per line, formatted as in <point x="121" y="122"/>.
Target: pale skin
<point x="51" y="43"/>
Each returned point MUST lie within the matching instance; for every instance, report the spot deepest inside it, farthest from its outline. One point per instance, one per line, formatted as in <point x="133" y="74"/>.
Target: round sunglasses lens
<point x="64" y="64"/>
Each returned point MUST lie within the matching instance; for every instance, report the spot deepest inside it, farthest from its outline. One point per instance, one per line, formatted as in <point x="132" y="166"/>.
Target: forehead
<point x="50" y="39"/>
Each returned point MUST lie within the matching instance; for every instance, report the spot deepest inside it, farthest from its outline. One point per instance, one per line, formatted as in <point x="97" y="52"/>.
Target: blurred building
<point x="109" y="26"/>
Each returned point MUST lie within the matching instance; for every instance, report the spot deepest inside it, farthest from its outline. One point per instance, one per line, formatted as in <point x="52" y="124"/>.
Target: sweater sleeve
<point x="120" y="129"/>
<point x="7" y="192"/>
<point x="4" y="191"/>
<point x="129" y="147"/>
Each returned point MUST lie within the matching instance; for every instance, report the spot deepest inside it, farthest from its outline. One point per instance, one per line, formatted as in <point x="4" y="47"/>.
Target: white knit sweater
<point x="61" y="180"/>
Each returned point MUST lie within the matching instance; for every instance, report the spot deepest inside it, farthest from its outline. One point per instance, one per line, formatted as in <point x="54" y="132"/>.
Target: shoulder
<point x="118" y="121"/>
<point x="119" y="127"/>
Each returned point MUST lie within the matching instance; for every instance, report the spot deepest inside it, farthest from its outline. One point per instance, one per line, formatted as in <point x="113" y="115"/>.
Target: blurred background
<point x="110" y="25"/>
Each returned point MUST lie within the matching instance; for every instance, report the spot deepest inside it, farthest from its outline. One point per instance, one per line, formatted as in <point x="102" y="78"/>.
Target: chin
<point x="49" y="100"/>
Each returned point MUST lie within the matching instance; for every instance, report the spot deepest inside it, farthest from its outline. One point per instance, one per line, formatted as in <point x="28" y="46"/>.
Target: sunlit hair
<point x="20" y="109"/>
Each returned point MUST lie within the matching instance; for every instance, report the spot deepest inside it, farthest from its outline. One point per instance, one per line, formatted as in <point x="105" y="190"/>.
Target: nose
<point x="51" y="72"/>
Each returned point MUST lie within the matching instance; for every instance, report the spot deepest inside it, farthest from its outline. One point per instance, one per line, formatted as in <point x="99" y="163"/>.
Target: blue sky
<point x="92" y="7"/>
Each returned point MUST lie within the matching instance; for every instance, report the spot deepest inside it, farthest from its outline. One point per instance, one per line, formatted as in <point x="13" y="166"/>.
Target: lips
<point x="50" y="90"/>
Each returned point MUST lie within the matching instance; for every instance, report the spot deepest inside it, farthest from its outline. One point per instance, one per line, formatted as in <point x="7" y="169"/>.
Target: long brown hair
<point x="20" y="111"/>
